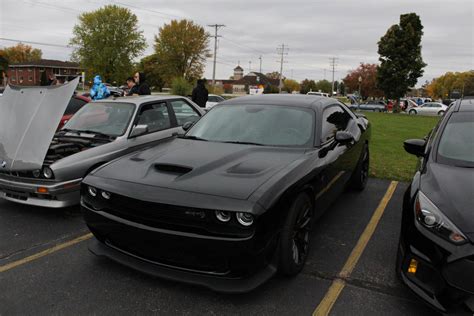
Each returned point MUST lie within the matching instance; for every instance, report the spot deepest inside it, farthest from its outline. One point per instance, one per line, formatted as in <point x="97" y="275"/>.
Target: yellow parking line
<point x="44" y="253"/>
<point x="325" y="306"/>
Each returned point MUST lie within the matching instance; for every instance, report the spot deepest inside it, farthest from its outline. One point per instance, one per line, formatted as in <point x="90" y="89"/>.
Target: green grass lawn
<point x="388" y="158"/>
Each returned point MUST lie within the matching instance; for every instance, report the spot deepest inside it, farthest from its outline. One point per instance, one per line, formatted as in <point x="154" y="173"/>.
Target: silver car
<point x="42" y="167"/>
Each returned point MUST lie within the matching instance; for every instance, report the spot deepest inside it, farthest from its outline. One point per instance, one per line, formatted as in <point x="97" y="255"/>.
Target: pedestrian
<point x="200" y="94"/>
<point x="142" y="87"/>
<point x="99" y="90"/>
<point x="132" y="87"/>
<point x="52" y="81"/>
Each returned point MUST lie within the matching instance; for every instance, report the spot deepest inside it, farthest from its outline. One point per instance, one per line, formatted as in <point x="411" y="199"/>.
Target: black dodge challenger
<point x="436" y="252"/>
<point x="233" y="200"/>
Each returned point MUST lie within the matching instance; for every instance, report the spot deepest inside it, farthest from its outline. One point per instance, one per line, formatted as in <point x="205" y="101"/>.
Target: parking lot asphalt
<point x="45" y="269"/>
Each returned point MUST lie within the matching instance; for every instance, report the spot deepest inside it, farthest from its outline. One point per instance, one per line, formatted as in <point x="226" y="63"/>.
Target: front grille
<point x="172" y="217"/>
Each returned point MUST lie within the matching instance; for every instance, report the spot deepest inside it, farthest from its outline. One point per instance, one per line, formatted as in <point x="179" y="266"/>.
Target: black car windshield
<point x="456" y="146"/>
<point x="102" y="117"/>
<point x="268" y="125"/>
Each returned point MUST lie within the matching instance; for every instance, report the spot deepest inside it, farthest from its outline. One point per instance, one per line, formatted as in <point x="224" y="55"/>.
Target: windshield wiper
<point x="243" y="143"/>
<point x="193" y="137"/>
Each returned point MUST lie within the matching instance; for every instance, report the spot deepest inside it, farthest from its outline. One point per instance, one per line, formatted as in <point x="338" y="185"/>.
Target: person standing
<point x="99" y="90"/>
<point x="200" y="94"/>
<point x="132" y="87"/>
<point x="142" y="87"/>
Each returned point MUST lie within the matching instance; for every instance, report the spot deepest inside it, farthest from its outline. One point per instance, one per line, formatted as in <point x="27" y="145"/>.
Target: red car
<point x="75" y="104"/>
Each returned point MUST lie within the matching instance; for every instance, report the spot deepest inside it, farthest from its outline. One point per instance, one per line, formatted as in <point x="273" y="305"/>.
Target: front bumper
<point x="443" y="278"/>
<point x="25" y="191"/>
<point x="227" y="265"/>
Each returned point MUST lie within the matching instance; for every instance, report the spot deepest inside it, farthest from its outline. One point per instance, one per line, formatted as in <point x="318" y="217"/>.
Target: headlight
<point x="245" y="219"/>
<point x="223" y="216"/>
<point x="92" y="191"/>
<point x="430" y="217"/>
<point x="106" y="195"/>
<point x="47" y="172"/>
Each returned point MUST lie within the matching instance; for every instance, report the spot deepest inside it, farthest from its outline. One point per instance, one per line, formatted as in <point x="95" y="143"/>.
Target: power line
<point x="282" y="51"/>
<point x="243" y="46"/>
<point x="36" y="43"/>
<point x="216" y="28"/>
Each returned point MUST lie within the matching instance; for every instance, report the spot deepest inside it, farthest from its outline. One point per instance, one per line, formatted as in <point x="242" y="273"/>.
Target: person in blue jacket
<point x="99" y="90"/>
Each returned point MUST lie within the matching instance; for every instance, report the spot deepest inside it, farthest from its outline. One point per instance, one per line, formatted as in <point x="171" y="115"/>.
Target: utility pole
<point x="282" y="51"/>
<point x="260" y="58"/>
<point x="332" y="63"/>
<point x="250" y="66"/>
<point x="216" y="28"/>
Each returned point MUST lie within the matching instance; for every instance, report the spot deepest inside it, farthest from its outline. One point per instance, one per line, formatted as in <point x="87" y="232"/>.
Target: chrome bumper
<point x="59" y="194"/>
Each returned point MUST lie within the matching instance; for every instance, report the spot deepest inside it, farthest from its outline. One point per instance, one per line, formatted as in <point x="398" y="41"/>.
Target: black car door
<point x="339" y="160"/>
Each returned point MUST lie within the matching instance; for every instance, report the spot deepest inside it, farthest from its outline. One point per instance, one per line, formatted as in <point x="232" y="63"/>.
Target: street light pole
<point x="360" y="81"/>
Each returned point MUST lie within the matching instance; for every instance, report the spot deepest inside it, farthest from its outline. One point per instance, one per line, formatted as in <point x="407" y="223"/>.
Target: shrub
<point x="180" y="86"/>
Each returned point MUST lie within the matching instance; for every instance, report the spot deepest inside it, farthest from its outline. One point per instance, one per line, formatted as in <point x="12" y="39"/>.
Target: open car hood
<point x="29" y="117"/>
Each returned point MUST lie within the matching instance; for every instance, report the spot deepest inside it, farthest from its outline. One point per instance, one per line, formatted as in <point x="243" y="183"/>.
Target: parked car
<point x="436" y="250"/>
<point x="429" y="108"/>
<point x="407" y="104"/>
<point x="375" y="106"/>
<point x="232" y="201"/>
<point x="213" y="99"/>
<point x="43" y="168"/>
<point x="74" y="105"/>
<point x="319" y="94"/>
<point x="115" y="91"/>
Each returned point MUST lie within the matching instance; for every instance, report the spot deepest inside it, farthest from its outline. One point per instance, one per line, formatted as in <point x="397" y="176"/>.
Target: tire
<point x="412" y="112"/>
<point x="294" y="241"/>
<point x="441" y="113"/>
<point x="361" y="173"/>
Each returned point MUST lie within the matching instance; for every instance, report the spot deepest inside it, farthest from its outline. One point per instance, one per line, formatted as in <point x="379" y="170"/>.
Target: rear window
<point x="456" y="146"/>
<point x="74" y="106"/>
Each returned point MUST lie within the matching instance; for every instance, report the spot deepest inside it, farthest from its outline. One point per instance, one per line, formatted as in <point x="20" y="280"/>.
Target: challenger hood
<point x="220" y="169"/>
<point x="29" y="117"/>
<point x="452" y="190"/>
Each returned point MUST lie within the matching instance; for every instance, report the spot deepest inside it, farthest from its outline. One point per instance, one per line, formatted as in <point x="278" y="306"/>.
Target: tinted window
<point x="262" y="124"/>
<point x="334" y="119"/>
<point x="184" y="112"/>
<point x="155" y="116"/>
<point x="456" y="146"/>
<point x="74" y="106"/>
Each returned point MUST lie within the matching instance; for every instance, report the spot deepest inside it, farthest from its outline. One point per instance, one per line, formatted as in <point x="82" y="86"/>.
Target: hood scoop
<point x="171" y="168"/>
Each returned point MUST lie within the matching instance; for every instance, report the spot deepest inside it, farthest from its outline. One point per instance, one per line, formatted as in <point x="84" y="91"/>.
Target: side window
<point x="184" y="112"/>
<point x="155" y="116"/>
<point x="334" y="119"/>
<point x="73" y="106"/>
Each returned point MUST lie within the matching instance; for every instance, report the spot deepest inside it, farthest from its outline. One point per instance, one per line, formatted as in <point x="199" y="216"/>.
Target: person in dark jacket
<point x="200" y="94"/>
<point x="141" y="87"/>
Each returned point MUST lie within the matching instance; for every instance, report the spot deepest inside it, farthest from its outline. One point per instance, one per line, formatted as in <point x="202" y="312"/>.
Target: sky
<point x="314" y="31"/>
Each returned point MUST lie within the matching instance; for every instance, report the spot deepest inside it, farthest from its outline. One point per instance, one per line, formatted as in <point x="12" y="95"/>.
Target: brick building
<point x="29" y="73"/>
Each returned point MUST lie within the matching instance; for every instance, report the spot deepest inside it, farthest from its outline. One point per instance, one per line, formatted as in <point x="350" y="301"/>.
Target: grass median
<point x="388" y="158"/>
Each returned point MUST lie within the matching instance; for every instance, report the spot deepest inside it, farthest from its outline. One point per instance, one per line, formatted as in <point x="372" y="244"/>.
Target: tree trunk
<point x="396" y="106"/>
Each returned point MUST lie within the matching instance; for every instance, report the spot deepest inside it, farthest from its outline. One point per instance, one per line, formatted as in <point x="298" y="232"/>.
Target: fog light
<point x="413" y="266"/>
<point x="106" y="195"/>
<point x="47" y="172"/>
<point x="223" y="216"/>
<point x="245" y="219"/>
<point x="92" y="191"/>
<point x="42" y="190"/>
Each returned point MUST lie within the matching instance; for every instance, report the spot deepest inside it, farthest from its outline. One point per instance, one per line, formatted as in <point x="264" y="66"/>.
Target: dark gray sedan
<point x="375" y="106"/>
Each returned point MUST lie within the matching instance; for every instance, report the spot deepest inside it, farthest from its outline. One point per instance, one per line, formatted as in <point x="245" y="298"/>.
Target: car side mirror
<point x="139" y="130"/>
<point x="415" y="147"/>
<point x="186" y="126"/>
<point x="343" y="137"/>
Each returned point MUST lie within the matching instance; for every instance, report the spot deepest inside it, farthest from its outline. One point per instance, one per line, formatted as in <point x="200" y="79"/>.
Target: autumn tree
<point x="20" y="53"/>
<point x="107" y="41"/>
<point x="290" y="85"/>
<point x="401" y="63"/>
<point x="445" y="86"/>
<point x="368" y="84"/>
<point x="307" y="86"/>
<point x="182" y="48"/>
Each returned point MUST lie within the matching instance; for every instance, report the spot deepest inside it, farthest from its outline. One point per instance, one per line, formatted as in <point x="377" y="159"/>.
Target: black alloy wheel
<point x="361" y="174"/>
<point x="294" y="242"/>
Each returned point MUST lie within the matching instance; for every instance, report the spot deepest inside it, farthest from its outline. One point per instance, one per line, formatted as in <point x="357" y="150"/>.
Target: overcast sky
<point x="314" y="30"/>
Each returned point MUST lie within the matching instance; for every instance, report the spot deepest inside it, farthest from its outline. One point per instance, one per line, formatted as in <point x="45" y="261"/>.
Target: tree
<point x="451" y="84"/>
<point x="151" y="67"/>
<point x="307" y="86"/>
<point x="180" y="86"/>
<point x="342" y="88"/>
<point x="107" y="41"/>
<point x="181" y="48"/>
<point x="273" y="75"/>
<point x="324" y="86"/>
<point x="20" y="53"/>
<point x="290" y="85"/>
<point x="401" y="63"/>
<point x="368" y="84"/>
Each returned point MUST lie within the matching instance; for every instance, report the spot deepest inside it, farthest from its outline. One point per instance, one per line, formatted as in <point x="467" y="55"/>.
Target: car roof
<point x="302" y="100"/>
<point x="142" y="99"/>
<point x="466" y="104"/>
